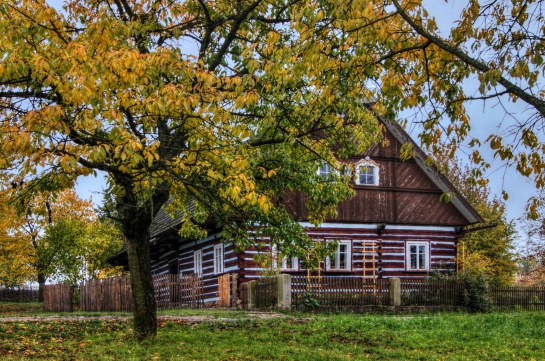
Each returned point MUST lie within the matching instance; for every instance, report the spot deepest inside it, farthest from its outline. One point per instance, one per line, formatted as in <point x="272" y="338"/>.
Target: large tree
<point x="222" y="105"/>
<point x="218" y="106"/>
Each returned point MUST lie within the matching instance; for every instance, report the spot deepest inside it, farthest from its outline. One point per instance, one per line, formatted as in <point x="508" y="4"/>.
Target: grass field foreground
<point x="496" y="336"/>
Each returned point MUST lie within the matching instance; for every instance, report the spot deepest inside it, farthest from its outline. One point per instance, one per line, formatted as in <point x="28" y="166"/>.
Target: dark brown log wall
<point x="182" y="254"/>
<point x="389" y="252"/>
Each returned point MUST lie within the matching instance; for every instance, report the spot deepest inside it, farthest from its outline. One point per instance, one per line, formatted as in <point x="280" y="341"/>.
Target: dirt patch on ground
<point x="188" y="319"/>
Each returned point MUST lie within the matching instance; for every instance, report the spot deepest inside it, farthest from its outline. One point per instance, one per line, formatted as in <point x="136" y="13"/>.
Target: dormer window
<point x="367" y="173"/>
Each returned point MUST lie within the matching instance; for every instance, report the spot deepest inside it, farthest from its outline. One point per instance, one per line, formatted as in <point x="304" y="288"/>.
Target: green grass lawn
<point x="11" y="309"/>
<point x="495" y="336"/>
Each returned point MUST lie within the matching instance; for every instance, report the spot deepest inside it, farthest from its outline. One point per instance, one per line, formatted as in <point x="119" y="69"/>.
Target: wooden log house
<point x="395" y="226"/>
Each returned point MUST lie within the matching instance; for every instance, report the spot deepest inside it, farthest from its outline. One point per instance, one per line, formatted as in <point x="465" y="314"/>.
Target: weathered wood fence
<point x="58" y="298"/>
<point x="352" y="293"/>
<point x="266" y="293"/>
<point x="19" y="294"/>
<point x="174" y="291"/>
<point x="105" y="295"/>
<point x="114" y="294"/>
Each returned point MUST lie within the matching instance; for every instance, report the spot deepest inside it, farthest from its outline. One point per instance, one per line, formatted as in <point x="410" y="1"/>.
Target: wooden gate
<point x="227" y="290"/>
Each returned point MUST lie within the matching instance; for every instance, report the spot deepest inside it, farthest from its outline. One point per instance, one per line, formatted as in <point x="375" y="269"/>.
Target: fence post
<point x="394" y="285"/>
<point x="234" y="290"/>
<point x="251" y="294"/>
<point x="284" y="291"/>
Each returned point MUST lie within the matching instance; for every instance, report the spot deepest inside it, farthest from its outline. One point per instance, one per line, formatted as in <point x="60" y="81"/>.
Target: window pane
<point x="324" y="170"/>
<point x="417" y="256"/>
<point x="288" y="263"/>
<point x="343" y="253"/>
<point x="367" y="175"/>
<point x="413" y="259"/>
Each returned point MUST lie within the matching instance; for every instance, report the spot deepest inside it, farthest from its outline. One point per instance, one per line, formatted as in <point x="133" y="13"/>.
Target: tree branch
<point x="512" y="88"/>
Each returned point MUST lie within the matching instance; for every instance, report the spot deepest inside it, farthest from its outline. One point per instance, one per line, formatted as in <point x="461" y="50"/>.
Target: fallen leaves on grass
<point x="51" y="340"/>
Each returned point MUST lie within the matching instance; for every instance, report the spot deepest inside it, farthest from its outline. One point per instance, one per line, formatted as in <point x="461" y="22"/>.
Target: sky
<point x="485" y="119"/>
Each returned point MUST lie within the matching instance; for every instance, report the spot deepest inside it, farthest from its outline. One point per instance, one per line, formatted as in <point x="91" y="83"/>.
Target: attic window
<point x="367" y="173"/>
<point x="325" y="170"/>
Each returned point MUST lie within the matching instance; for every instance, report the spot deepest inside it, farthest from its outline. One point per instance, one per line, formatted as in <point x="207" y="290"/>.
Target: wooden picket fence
<point x="108" y="294"/>
<point x="114" y="294"/>
<point x="266" y="292"/>
<point x="338" y="292"/>
<point x="173" y="291"/>
<point x="58" y="298"/>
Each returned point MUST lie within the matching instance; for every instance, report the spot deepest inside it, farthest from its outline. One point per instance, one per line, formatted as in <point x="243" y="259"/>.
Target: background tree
<point x="532" y="246"/>
<point x="56" y="237"/>
<point x="490" y="249"/>
<point x="16" y="253"/>
<point x="77" y="249"/>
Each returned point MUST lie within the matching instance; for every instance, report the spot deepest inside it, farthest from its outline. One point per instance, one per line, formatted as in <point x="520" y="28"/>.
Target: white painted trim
<point x="331" y="169"/>
<point x="374" y="226"/>
<point x="328" y="266"/>
<point x="369" y="163"/>
<point x="408" y="244"/>
<point x="294" y="261"/>
<point x="197" y="262"/>
<point x="218" y="267"/>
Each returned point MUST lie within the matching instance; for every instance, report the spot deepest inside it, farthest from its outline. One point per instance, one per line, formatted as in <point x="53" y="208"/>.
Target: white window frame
<point x="294" y="262"/>
<point x="334" y="265"/>
<point x="197" y="262"/>
<point x="427" y="257"/>
<point x="218" y="259"/>
<point x="328" y="170"/>
<point x="367" y="163"/>
<point x="284" y="261"/>
<point x="274" y="256"/>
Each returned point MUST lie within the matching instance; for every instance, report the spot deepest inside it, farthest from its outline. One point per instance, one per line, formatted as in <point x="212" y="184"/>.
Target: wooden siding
<point x="405" y="194"/>
<point x="389" y="254"/>
<point x="182" y="254"/>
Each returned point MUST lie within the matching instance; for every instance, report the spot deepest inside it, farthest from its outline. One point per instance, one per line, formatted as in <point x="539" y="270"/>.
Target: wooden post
<point x="234" y="290"/>
<point x="194" y="292"/>
<point x="374" y="269"/>
<point x="251" y="294"/>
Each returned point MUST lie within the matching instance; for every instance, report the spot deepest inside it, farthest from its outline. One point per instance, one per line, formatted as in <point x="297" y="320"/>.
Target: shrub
<point x="476" y="295"/>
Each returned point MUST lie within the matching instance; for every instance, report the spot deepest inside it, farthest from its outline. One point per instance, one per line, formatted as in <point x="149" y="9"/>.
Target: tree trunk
<point x="143" y="299"/>
<point x="41" y="284"/>
<point x="137" y="220"/>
